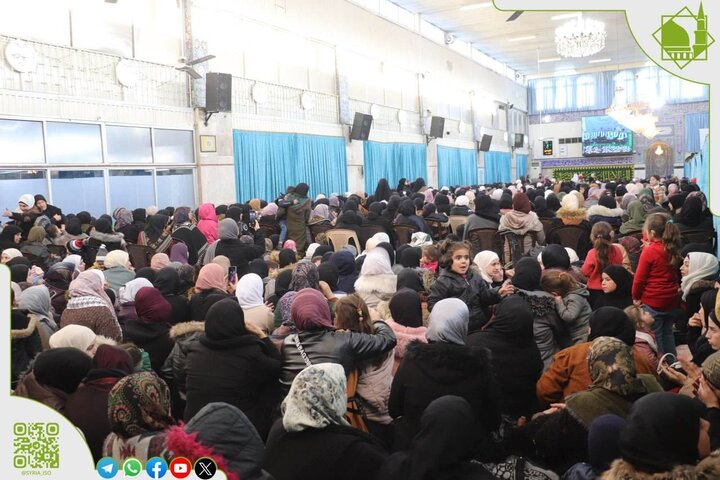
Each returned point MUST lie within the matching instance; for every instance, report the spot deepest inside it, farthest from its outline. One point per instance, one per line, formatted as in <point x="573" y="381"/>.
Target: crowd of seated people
<point x="578" y="342"/>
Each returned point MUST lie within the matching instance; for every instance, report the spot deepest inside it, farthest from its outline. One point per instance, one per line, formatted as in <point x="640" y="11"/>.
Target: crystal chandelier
<point x="580" y="37"/>
<point x="636" y="116"/>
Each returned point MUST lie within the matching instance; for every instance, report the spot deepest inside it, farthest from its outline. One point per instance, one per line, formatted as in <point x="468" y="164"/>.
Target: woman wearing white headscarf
<point x="443" y="366"/>
<point x="10" y="253"/>
<point x="249" y="293"/>
<point x="490" y="267"/>
<point x="75" y="336"/>
<point x="699" y="272"/>
<point x="126" y="298"/>
<point x="118" y="270"/>
<point x="36" y="300"/>
<point x="313" y="439"/>
<point x="90" y="306"/>
<point x="77" y="261"/>
<point x="377" y="282"/>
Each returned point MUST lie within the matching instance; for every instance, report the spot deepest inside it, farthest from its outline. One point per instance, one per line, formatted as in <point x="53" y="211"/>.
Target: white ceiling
<point x="488" y="31"/>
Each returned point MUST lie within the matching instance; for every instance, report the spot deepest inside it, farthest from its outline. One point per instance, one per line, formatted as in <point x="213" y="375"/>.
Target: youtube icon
<point x="180" y="467"/>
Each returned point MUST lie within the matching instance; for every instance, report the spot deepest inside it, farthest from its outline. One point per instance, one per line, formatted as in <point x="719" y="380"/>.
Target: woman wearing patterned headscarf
<point x="36" y="301"/>
<point x="124" y="224"/>
<point x="304" y="275"/>
<point x="615" y="383"/>
<point x="90" y="306"/>
<point x="139" y="414"/>
<point x="312" y="422"/>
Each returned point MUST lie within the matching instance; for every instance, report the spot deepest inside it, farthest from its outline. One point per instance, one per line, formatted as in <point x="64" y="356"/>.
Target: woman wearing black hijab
<point x="375" y="217"/>
<point x="391" y="209"/>
<point x="167" y="281"/>
<point x="515" y="357"/>
<point x="698" y="326"/>
<point x="286" y="257"/>
<point x="345" y="262"/>
<point x="410" y="278"/>
<point x="10" y="237"/>
<point x="407" y="215"/>
<point x="157" y="233"/>
<point x="693" y="216"/>
<point x="541" y="208"/>
<point x="553" y="202"/>
<point x="418" y="185"/>
<point x="410" y="257"/>
<point x="444" y="446"/>
<point x="382" y="191"/>
<point x="616" y="288"/>
<point x="486" y="215"/>
<point x="555" y="256"/>
<point x="282" y="286"/>
<point x="442" y="203"/>
<point x="665" y="437"/>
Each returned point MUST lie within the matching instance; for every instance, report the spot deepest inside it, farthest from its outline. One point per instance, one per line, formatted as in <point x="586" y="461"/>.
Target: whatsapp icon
<point x="132" y="467"/>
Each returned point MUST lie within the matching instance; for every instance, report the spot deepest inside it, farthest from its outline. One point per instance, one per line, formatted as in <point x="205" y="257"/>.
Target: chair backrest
<point x="57" y="250"/>
<point x="569" y="235"/>
<point x="516" y="246"/>
<point x="339" y="237"/>
<point x="140" y="255"/>
<point x="696" y="236"/>
<point x="403" y="233"/>
<point x="636" y="233"/>
<point x="455" y="221"/>
<point x="547" y="225"/>
<point x="484" y="239"/>
<point x="318" y="228"/>
<point x="367" y="231"/>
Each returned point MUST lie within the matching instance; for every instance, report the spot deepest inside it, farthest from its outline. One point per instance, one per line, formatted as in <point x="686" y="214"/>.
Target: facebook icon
<point x="156" y="468"/>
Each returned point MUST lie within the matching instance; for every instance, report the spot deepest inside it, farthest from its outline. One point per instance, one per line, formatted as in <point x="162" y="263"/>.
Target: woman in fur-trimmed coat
<point x="607" y="210"/>
<point x="185" y="335"/>
<point x="572" y="212"/>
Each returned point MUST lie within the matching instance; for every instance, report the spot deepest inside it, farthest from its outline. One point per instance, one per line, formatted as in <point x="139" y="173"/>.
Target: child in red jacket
<point x="656" y="282"/>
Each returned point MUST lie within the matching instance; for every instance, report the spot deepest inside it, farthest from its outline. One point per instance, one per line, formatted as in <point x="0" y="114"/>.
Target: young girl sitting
<point x="644" y="337"/>
<point x="456" y="280"/>
<point x="430" y="257"/>
<point x="571" y="300"/>
<point x="603" y="253"/>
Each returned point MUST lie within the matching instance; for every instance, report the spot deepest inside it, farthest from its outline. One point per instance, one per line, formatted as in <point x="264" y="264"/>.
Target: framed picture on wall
<point x="207" y="143"/>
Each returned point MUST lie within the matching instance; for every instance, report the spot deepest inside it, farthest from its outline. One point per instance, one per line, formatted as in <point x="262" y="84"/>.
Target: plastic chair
<point x="455" y="221"/>
<point x="318" y="228"/>
<point x="339" y="237"/>
<point x="140" y="255"/>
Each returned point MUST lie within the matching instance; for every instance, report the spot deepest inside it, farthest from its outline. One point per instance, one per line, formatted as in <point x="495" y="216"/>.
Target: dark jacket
<point x="40" y="252"/>
<point x="431" y="370"/>
<point x="130" y="233"/>
<point x="184" y="335"/>
<point x="87" y="409"/>
<point x="329" y="453"/>
<point x="242" y="372"/>
<point x="240" y="254"/>
<point x="349" y="349"/>
<point x="25" y="345"/>
<point x="584" y="244"/>
<point x="551" y="334"/>
<point x="151" y="337"/>
<point x="462" y="210"/>
<point x="193" y="239"/>
<point x="180" y="308"/>
<point x="472" y="290"/>
<point x="201" y="301"/>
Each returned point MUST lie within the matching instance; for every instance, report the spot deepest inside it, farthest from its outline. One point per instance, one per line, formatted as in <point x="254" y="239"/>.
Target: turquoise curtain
<point x="457" y="166"/>
<point x="393" y="161"/>
<point x="522" y="165"/>
<point x="267" y="163"/>
<point x="699" y="167"/>
<point x="497" y="167"/>
<point x="693" y="123"/>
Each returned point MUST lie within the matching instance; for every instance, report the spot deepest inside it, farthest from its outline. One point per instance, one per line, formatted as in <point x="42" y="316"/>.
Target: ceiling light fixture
<point x="565" y="16"/>
<point x="579" y="38"/>
<point x="476" y="6"/>
<point x="520" y="39"/>
<point x="659" y="150"/>
<point x="548" y="60"/>
<point x="600" y="60"/>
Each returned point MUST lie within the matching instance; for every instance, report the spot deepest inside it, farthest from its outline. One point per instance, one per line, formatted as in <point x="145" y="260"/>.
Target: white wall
<point x="555" y="131"/>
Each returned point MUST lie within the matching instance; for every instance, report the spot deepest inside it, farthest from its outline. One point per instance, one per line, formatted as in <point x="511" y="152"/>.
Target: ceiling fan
<point x="515" y="15"/>
<point x="187" y="66"/>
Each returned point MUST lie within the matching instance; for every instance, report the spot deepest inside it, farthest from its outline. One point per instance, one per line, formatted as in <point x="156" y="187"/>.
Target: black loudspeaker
<point x="361" y="126"/>
<point x="218" y="92"/>
<point x="485" y="143"/>
<point x="437" y="127"/>
<point x="519" y="140"/>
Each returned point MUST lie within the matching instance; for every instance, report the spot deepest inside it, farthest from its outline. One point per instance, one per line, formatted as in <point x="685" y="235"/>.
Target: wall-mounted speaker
<point x="437" y="127"/>
<point x="218" y="92"/>
<point x="361" y="126"/>
<point x="519" y="140"/>
<point x="485" y="143"/>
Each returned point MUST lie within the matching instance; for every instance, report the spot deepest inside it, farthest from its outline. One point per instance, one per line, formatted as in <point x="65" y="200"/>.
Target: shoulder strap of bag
<point x="296" y="339"/>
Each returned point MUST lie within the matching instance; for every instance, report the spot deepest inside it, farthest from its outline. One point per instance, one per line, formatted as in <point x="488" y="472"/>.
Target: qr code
<point x="36" y="445"/>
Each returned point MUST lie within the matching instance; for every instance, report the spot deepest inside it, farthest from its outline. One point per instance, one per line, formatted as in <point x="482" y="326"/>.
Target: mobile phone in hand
<point x="232" y="275"/>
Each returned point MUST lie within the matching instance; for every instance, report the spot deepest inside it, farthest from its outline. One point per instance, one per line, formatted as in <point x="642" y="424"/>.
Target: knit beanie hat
<point x="711" y="369"/>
